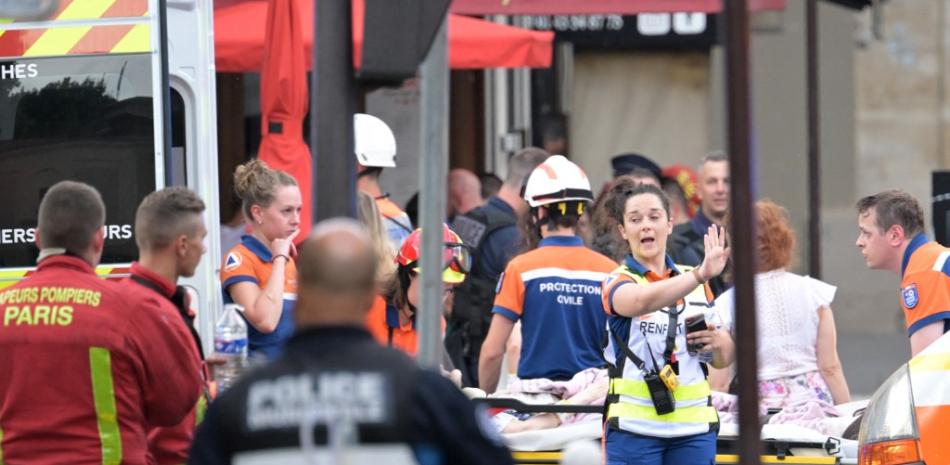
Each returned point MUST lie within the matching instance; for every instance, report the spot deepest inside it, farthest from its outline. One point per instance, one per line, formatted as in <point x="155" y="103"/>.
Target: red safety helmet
<point x="686" y="178"/>
<point x="456" y="257"/>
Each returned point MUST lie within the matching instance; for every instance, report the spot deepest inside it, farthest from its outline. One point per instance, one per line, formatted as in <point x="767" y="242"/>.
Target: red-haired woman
<point x="798" y="357"/>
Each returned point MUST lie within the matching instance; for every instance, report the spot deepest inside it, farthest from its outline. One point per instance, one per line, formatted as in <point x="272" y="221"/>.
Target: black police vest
<point x="356" y="401"/>
<point x="475" y="297"/>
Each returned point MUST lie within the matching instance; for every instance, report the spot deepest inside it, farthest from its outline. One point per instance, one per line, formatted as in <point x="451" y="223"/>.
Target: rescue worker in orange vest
<point x="891" y="225"/>
<point x="392" y="320"/>
<point x="375" y="148"/>
<point x="170" y="233"/>
<point x="260" y="274"/>
<point x="88" y="366"/>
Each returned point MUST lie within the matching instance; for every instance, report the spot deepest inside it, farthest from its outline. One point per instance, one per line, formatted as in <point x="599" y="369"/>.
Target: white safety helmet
<point x="557" y="180"/>
<point x="375" y="144"/>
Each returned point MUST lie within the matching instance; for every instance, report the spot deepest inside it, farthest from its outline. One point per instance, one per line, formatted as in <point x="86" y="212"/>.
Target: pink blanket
<point x="588" y="387"/>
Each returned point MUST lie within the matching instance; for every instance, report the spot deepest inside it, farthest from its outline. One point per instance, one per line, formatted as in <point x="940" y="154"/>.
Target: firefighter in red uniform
<point x="170" y="235"/>
<point x="86" y="365"/>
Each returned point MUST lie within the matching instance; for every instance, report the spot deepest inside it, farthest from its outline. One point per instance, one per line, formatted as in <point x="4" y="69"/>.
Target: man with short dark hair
<point x="334" y="385"/>
<point x="492" y="232"/>
<point x="891" y="237"/>
<point x="87" y="367"/>
<point x="686" y="245"/>
<point x="170" y="232"/>
<point x="491" y="184"/>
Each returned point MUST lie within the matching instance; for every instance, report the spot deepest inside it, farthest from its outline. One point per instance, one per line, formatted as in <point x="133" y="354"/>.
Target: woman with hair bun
<point x="259" y="273"/>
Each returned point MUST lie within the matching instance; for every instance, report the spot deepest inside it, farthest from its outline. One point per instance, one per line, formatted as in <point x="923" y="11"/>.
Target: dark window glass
<point x="175" y="167"/>
<point x="83" y="118"/>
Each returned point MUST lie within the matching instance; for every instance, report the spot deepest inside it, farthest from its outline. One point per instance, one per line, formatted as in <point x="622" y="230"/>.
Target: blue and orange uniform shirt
<point x="382" y="321"/>
<point x="925" y="284"/>
<point x="398" y="226"/>
<point x="250" y="261"/>
<point x="555" y="291"/>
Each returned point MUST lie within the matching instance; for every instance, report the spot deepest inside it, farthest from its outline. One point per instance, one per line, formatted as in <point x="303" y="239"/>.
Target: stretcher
<point x="781" y="444"/>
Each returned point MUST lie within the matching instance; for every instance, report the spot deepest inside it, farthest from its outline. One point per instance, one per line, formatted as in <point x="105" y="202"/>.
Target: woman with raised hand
<point x="659" y="408"/>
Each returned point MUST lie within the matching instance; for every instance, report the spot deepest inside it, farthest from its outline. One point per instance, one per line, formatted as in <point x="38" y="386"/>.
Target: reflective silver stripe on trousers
<point x="389" y="454"/>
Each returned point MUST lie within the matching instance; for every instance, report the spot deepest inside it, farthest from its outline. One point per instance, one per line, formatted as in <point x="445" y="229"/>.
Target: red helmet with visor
<point x="456" y="256"/>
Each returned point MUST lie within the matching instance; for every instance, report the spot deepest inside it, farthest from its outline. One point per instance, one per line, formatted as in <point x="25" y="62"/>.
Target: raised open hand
<point x="717" y="254"/>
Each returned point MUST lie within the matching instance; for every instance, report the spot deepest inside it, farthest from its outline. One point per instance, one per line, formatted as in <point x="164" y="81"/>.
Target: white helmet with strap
<point x="375" y="144"/>
<point x="557" y="180"/>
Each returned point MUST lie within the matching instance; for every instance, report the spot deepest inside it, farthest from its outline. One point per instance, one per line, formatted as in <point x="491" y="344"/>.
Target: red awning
<point x="239" y="31"/>
<point x="589" y="7"/>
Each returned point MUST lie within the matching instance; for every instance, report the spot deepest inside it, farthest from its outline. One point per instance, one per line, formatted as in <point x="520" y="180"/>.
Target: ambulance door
<point x="194" y="157"/>
<point x="79" y="99"/>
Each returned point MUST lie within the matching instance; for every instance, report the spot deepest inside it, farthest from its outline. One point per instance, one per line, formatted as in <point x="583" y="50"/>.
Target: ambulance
<point x="908" y="419"/>
<point x="119" y="94"/>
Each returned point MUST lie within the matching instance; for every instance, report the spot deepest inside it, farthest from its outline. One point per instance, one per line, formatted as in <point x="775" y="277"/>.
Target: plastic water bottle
<point x="230" y="345"/>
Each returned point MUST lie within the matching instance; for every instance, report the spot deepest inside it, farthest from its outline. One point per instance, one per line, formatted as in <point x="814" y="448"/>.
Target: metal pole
<point x="332" y="105"/>
<point x="814" y="141"/>
<point x="166" y="99"/>
<point x="742" y="160"/>
<point x="433" y="168"/>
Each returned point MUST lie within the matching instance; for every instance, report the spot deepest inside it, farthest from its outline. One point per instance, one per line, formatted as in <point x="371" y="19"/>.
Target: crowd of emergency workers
<point x="620" y="297"/>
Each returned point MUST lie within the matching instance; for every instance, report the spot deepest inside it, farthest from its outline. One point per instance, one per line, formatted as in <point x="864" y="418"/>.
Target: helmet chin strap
<point x="539" y="221"/>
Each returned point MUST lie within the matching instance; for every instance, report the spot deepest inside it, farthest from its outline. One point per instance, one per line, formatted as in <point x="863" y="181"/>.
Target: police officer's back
<point x="347" y="393"/>
<point x="492" y="231"/>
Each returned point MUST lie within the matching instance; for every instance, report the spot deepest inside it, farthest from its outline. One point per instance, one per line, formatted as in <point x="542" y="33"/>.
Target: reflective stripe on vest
<point x="930" y="385"/>
<point x="702" y="414"/>
<point x="930" y="376"/>
<point x="103" y="391"/>
<point x="201" y="409"/>
<point x="633" y="408"/>
<point x="636" y="388"/>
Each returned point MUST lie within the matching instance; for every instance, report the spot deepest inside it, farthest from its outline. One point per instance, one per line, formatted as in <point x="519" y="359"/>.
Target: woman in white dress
<point x="797" y="348"/>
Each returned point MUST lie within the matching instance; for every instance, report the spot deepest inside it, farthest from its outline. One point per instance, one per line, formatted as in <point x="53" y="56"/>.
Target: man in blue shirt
<point x="492" y="232"/>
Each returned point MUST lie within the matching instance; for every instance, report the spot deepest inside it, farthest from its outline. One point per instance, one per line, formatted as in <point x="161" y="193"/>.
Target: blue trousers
<point x="624" y="448"/>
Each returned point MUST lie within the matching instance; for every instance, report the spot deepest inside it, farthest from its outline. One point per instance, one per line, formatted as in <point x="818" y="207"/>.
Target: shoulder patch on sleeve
<point x="910" y="295"/>
<point x="232" y="262"/>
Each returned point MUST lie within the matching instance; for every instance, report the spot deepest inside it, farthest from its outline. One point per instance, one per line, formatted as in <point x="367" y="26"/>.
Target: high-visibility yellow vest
<point x="630" y="407"/>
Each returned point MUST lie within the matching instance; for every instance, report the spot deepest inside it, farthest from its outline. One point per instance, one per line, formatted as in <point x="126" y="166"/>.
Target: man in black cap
<point x="638" y="166"/>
